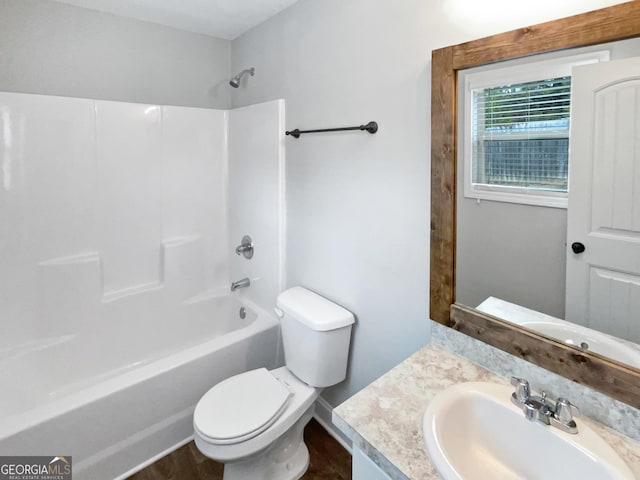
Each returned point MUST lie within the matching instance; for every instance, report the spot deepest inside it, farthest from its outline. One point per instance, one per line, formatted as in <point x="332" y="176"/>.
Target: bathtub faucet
<point x="244" y="283"/>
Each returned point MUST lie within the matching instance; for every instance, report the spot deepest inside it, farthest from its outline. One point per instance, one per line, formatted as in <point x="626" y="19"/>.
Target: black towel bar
<point x="371" y="127"/>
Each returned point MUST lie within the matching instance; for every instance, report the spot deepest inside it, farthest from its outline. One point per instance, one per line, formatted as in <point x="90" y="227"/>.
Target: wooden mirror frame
<point x="610" y="24"/>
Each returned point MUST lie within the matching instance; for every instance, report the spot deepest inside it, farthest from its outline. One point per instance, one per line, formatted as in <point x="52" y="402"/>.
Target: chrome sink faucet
<point x="538" y="408"/>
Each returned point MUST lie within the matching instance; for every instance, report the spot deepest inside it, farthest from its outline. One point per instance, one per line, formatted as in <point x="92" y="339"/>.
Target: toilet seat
<point x="241" y="407"/>
<point x="302" y="399"/>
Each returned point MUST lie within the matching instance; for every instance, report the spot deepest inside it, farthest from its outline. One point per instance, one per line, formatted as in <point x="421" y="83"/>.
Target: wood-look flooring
<point x="328" y="461"/>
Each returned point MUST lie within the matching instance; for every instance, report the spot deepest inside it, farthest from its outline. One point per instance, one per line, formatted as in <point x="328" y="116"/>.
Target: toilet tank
<point x="315" y="334"/>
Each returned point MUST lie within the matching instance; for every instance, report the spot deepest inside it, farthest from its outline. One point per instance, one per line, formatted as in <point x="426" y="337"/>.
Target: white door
<point x="603" y="281"/>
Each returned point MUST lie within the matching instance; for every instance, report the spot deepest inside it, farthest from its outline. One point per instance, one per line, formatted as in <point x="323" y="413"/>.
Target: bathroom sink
<point x="473" y="431"/>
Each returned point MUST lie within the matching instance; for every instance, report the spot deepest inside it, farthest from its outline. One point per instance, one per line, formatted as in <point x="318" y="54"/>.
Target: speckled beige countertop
<point x="384" y="420"/>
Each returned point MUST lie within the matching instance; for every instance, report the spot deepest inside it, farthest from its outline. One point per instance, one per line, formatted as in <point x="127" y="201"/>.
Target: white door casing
<point x="603" y="282"/>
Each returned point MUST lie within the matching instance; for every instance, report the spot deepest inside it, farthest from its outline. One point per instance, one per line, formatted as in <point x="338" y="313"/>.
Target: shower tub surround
<point x="117" y="230"/>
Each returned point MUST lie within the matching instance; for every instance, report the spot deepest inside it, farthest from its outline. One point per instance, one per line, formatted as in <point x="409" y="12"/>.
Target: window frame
<point x="481" y="78"/>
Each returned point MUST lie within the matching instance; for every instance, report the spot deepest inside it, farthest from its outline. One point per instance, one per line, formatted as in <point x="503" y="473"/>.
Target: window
<point x="516" y="132"/>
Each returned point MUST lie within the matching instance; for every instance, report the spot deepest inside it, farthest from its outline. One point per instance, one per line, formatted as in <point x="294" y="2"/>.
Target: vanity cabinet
<point x="363" y="468"/>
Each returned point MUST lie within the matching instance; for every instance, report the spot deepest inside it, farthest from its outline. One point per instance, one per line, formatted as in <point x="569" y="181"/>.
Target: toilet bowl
<point x="254" y="422"/>
<point x="244" y="420"/>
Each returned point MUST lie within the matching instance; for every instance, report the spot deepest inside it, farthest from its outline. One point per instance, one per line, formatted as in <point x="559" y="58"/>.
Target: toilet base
<point x="286" y="459"/>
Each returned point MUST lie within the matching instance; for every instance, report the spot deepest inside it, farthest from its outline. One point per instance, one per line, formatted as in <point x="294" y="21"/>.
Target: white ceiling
<point x="226" y="19"/>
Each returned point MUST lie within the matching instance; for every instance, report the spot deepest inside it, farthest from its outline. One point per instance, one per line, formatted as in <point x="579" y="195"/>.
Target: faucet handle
<point x="563" y="416"/>
<point x="523" y="391"/>
<point x="245" y="248"/>
<point x="565" y="411"/>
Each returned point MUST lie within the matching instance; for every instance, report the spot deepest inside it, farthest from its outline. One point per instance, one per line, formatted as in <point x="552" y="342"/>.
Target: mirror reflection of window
<point x="516" y="131"/>
<point x="520" y="135"/>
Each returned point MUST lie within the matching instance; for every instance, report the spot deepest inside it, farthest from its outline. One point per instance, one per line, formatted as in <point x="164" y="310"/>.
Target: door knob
<point x="578" y="247"/>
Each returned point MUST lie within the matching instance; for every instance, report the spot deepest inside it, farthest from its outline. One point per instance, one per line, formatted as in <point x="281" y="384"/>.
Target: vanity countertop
<point x="384" y="420"/>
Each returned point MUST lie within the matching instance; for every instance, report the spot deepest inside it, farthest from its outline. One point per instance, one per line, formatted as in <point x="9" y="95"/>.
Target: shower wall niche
<point x="115" y="211"/>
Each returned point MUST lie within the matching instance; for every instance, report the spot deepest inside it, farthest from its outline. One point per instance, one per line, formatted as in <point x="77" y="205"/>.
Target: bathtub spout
<point x="244" y="283"/>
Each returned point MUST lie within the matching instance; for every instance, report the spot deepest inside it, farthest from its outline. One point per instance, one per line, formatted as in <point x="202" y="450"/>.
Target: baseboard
<point x="322" y="415"/>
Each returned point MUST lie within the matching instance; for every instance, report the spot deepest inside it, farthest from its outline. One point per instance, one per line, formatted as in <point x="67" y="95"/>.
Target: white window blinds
<point x="520" y="134"/>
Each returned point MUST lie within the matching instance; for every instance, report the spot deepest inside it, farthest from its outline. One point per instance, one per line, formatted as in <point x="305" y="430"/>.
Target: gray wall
<point x="57" y="49"/>
<point x="513" y="252"/>
<point x="358" y="204"/>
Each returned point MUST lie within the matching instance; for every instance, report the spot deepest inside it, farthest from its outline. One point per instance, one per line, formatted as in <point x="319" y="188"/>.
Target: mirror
<point x="514" y="255"/>
<point x="619" y="22"/>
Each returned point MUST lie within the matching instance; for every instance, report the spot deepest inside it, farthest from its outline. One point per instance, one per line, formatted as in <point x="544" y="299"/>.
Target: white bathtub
<point x="124" y="393"/>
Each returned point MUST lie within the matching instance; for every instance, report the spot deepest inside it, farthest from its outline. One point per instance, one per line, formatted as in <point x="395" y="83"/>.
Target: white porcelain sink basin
<point x="473" y="431"/>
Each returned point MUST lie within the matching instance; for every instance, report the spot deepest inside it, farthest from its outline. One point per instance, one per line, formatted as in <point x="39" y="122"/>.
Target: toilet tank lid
<point x="314" y="311"/>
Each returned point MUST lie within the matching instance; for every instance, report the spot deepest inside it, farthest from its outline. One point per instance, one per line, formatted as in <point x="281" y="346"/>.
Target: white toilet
<point x="254" y="422"/>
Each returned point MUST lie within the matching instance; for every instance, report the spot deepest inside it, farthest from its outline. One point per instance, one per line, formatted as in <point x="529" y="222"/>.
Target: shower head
<point x="235" y="81"/>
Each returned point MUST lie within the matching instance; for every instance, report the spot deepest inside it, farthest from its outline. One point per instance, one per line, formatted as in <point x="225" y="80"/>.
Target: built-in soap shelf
<point x="77" y="279"/>
<point x="109" y="297"/>
<point x="71" y="260"/>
